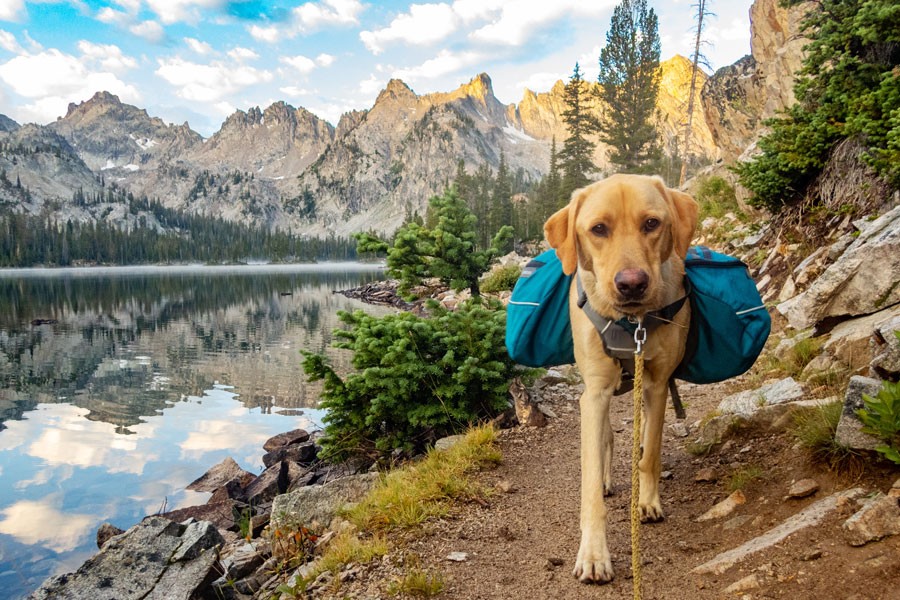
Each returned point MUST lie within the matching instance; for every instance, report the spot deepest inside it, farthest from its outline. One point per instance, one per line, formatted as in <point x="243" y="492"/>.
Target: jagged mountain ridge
<point x="390" y="159"/>
<point x="284" y="167"/>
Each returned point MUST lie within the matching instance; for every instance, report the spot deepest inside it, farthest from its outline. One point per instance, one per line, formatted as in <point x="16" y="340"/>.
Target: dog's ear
<point x="686" y="210"/>
<point x="684" y="217"/>
<point x="560" y="232"/>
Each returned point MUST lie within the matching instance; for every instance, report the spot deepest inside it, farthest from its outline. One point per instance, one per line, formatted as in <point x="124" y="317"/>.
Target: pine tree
<point x="501" y="204"/>
<point x="575" y="158"/>
<point x="446" y="247"/>
<point x="629" y="86"/>
<point x="550" y="196"/>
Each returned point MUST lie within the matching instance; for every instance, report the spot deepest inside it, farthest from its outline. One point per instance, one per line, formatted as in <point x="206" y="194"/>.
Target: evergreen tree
<point x="446" y="248"/>
<point x="629" y="86"/>
<point x="549" y="198"/>
<point x="576" y="156"/>
<point x="501" y="203"/>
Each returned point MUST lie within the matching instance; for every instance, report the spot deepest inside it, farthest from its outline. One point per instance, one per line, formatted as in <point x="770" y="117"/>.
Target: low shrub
<point x="716" y="197"/>
<point x="417" y="379"/>
<point x="881" y="417"/>
<point x="502" y="279"/>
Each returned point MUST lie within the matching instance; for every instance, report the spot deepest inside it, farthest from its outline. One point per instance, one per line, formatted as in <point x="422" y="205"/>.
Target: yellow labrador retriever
<point x="626" y="237"/>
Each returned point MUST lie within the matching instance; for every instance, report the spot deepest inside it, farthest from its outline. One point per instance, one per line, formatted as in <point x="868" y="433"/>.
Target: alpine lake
<point x="121" y="385"/>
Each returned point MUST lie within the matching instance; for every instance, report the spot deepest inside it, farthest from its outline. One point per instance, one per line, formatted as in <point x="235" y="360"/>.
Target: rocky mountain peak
<point x="281" y="112"/>
<point x="395" y="90"/>
<point x="99" y="102"/>
<point x="480" y="87"/>
<point x="7" y="124"/>
<point x="678" y="66"/>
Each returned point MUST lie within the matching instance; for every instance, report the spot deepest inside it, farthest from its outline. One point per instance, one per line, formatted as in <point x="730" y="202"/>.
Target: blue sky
<point x="200" y="60"/>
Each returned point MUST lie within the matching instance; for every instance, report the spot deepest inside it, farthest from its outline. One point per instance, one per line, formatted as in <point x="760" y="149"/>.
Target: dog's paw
<point x="651" y="513"/>
<point x="593" y="569"/>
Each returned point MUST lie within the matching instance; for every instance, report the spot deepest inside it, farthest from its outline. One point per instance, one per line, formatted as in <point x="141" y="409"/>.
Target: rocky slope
<point x="40" y="169"/>
<point x="739" y="97"/>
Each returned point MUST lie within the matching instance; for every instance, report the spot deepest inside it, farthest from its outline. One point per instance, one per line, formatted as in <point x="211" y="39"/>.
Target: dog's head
<point x="628" y="231"/>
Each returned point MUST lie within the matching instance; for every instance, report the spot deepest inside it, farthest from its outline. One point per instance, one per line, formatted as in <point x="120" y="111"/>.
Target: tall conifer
<point x="576" y="156"/>
<point x="629" y="86"/>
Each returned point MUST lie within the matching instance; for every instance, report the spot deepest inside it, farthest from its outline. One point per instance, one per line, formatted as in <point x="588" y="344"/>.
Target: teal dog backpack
<point x="538" y="330"/>
<point x="729" y="322"/>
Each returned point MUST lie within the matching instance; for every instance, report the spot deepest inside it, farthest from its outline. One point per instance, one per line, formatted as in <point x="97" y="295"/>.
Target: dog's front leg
<point x="593" y="563"/>
<point x="650" y="466"/>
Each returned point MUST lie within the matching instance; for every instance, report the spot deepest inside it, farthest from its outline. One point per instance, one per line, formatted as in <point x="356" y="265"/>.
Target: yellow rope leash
<point x="640" y="336"/>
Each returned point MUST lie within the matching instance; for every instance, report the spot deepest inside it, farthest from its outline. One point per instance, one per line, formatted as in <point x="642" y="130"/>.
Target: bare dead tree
<point x="698" y="59"/>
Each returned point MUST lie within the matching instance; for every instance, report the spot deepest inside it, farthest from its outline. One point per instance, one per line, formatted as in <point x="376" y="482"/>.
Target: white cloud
<point x="472" y="10"/>
<point x="109" y="56"/>
<point x="265" y="34"/>
<point x="325" y="60"/>
<point x="371" y="86"/>
<point x="40" y="522"/>
<point x="309" y="17"/>
<point x="209" y="83"/>
<point x="301" y="63"/>
<point x="444" y="63"/>
<point x="224" y="108"/>
<point x="11" y="10"/>
<point x="33" y="45"/>
<point x="8" y="42"/>
<point x="539" y="82"/>
<point x="201" y="48"/>
<point x="241" y="54"/>
<point x="313" y="15"/>
<point x="735" y="30"/>
<point x="520" y="19"/>
<point x="149" y="30"/>
<point x="177" y="11"/>
<point x="130" y="6"/>
<point x="331" y="111"/>
<point x="589" y="62"/>
<point x="292" y="91"/>
<point x="53" y="79"/>
<point x="112" y="16"/>
<point x="424" y="24"/>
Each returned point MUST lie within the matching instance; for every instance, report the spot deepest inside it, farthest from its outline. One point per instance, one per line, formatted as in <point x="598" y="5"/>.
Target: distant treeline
<point x="156" y="235"/>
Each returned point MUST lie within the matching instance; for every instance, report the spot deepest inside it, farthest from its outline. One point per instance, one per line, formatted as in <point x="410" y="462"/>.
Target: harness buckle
<point x="640" y="337"/>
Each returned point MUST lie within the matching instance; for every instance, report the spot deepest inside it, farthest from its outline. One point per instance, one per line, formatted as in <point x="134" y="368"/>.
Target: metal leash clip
<point x="640" y="337"/>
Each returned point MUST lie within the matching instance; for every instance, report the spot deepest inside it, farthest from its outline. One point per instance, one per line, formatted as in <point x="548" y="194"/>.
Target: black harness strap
<point x="618" y="336"/>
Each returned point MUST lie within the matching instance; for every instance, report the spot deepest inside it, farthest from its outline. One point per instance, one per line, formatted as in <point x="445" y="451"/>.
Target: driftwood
<point x="379" y="292"/>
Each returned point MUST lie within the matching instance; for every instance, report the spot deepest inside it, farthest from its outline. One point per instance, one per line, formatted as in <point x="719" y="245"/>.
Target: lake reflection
<point x="118" y="387"/>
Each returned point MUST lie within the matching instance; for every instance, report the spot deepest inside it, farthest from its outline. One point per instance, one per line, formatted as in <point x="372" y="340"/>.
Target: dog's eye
<point x="650" y="225"/>
<point x="600" y="230"/>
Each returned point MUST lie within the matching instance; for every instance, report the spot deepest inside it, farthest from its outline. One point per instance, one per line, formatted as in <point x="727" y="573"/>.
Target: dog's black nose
<point x="632" y="283"/>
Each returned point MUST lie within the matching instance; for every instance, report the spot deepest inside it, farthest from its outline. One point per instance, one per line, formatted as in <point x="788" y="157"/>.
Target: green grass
<point x="716" y="197"/>
<point x="404" y="499"/>
<point x="418" y="583"/>
<point x="743" y="476"/>
<point x="408" y="497"/>
<point x="814" y="429"/>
